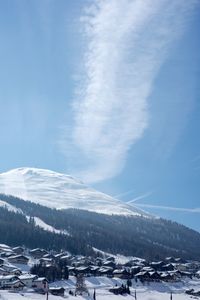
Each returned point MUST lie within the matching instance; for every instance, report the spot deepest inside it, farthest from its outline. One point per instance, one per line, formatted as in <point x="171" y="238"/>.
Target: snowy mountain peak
<point x="60" y="191"/>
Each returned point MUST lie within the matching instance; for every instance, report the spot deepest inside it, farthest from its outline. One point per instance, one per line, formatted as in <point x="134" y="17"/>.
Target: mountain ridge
<point x="127" y="235"/>
<point x="53" y="210"/>
<point x="61" y="191"/>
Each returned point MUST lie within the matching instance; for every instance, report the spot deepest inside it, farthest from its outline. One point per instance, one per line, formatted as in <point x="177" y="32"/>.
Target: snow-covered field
<point x="152" y="291"/>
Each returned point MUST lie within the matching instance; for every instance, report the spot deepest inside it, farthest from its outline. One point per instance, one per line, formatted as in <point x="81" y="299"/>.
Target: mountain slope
<point x="59" y="212"/>
<point x="60" y="191"/>
<point x="128" y="235"/>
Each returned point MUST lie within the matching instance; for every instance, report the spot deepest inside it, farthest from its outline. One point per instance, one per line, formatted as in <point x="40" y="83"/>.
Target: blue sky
<point x="108" y="92"/>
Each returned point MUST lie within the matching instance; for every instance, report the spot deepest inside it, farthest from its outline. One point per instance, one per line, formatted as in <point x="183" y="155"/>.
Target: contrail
<point x="140" y="197"/>
<point x="171" y="208"/>
<point x="123" y="194"/>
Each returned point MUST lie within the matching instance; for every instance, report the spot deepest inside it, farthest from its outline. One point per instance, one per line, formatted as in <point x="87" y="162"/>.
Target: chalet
<point x="28" y="279"/>
<point x="176" y="274"/>
<point x="82" y="270"/>
<point x="11" y="269"/>
<point x="109" y="264"/>
<point x="157" y="266"/>
<point x="122" y="273"/>
<point x="49" y="255"/>
<point x="19" y="259"/>
<point x="106" y="271"/>
<point x="180" y="260"/>
<point x="14" y="285"/>
<point x="6" y="279"/>
<point x="15" y="271"/>
<point x="167" y="277"/>
<point x="6" y="254"/>
<point x="192" y="292"/>
<point x="40" y="285"/>
<point x="46" y="261"/>
<point x="2" y="261"/>
<point x="10" y="282"/>
<point x="170" y="260"/>
<point x="182" y="267"/>
<point x="65" y="259"/>
<point x="99" y="261"/>
<point x="168" y="267"/>
<point x="4" y="248"/>
<point x="119" y="290"/>
<point x="193" y="266"/>
<point x="57" y="291"/>
<point x="71" y="270"/>
<point x="94" y="270"/>
<point x="110" y="258"/>
<point x="197" y="274"/>
<point x="135" y="270"/>
<point x="186" y="274"/>
<point x="155" y="276"/>
<point x="143" y="276"/>
<point x="3" y="271"/>
<point x="58" y="256"/>
<point x="18" y="250"/>
<point x="84" y="263"/>
<point x="38" y="253"/>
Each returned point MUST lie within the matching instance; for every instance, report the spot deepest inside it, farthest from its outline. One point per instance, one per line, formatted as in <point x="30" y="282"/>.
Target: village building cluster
<point x="17" y="265"/>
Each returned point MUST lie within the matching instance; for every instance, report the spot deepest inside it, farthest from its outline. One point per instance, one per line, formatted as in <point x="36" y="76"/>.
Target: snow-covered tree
<point x="81" y="287"/>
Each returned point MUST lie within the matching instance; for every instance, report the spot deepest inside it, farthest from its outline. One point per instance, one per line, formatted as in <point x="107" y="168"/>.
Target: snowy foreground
<point x="152" y="291"/>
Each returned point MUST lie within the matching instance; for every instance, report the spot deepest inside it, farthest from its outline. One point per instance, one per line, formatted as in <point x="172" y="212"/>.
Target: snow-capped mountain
<point x="60" y="191"/>
<point x="28" y="198"/>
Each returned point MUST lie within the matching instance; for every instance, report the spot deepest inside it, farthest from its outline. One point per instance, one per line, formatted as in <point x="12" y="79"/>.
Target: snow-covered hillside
<point x="10" y="207"/>
<point x="60" y="191"/>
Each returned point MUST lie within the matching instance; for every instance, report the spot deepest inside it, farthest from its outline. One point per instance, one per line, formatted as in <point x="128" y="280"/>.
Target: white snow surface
<point x="61" y="191"/>
<point x="9" y="207"/>
<point x="119" y="258"/>
<point x="47" y="227"/>
<point x="151" y="291"/>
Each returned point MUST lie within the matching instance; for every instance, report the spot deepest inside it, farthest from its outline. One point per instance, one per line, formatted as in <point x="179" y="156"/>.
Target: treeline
<point x="16" y="230"/>
<point x="52" y="273"/>
<point x="150" y="238"/>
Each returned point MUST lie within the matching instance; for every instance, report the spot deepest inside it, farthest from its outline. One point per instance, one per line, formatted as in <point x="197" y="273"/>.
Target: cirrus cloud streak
<point x="126" y="43"/>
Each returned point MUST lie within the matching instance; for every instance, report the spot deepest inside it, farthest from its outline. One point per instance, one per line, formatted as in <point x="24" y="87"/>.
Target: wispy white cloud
<point x="143" y="196"/>
<point x="123" y="194"/>
<point x="170" y="208"/>
<point x="126" y="43"/>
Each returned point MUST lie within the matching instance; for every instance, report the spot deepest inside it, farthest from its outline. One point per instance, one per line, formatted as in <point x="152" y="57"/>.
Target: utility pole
<point x="171" y="296"/>
<point x="94" y="295"/>
<point x="135" y="295"/>
<point x="46" y="287"/>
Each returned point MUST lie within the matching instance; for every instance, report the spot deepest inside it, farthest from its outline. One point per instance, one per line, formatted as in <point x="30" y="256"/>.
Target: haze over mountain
<point x="60" y="191"/>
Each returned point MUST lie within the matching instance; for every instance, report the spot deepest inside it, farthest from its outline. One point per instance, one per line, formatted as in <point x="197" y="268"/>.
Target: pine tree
<point x="81" y="287"/>
<point x="66" y="273"/>
<point x="129" y="283"/>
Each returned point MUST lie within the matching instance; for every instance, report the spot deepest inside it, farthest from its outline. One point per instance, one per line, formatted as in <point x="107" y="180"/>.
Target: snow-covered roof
<point x="27" y="276"/>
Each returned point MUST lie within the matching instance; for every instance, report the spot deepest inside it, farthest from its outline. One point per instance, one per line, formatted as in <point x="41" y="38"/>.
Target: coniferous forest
<point x="150" y="238"/>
